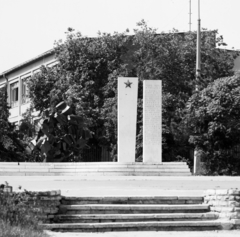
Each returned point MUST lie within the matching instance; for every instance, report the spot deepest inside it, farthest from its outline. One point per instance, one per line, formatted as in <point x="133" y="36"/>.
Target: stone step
<point x="170" y="200"/>
<point x="101" y="172"/>
<point x="91" y="174"/>
<point x="86" y="169"/>
<point x="93" y="169"/>
<point x="80" y="165"/>
<point x="100" y="218"/>
<point x="94" y="163"/>
<point x="132" y="208"/>
<point x="136" y="226"/>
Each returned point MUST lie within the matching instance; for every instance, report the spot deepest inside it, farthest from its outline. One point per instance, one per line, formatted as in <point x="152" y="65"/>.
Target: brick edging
<point x="226" y="203"/>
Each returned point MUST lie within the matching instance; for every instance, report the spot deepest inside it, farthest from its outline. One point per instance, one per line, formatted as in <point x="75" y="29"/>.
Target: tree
<point x="11" y="146"/>
<point x="4" y="107"/>
<point x="212" y="116"/>
<point x="80" y="79"/>
<point x="86" y="79"/>
<point x="5" y="142"/>
<point x="61" y="134"/>
<point x="171" y="57"/>
<point x="87" y="64"/>
<point x="40" y="86"/>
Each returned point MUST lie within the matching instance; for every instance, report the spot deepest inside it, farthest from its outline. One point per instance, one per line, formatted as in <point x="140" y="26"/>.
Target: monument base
<point x="93" y="169"/>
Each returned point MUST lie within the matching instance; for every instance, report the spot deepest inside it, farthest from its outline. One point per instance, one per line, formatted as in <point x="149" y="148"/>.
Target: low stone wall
<point x="226" y="203"/>
<point x="43" y="204"/>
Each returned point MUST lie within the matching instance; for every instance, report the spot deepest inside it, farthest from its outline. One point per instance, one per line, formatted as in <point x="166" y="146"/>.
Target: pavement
<point x="222" y="233"/>
<point x="123" y="185"/>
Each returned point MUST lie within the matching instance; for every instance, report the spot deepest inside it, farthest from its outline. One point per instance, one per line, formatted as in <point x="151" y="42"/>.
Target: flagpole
<point x="198" y="56"/>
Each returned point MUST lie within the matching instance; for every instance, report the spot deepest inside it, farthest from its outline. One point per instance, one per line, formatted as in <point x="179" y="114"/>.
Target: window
<point x="14" y="94"/>
<point x="25" y="91"/>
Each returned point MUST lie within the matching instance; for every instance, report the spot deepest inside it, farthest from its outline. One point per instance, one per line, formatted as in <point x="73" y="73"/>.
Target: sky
<point x="30" y="27"/>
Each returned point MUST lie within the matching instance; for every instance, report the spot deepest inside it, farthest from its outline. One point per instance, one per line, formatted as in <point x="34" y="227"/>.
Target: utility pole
<point x="198" y="57"/>
<point x="197" y="159"/>
<point x="190" y="13"/>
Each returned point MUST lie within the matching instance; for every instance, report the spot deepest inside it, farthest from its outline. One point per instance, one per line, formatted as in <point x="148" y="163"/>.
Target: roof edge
<point x="49" y="52"/>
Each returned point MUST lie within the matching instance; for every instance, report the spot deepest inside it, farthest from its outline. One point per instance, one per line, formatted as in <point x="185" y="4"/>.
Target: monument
<point x="127" y="118"/>
<point x="152" y="121"/>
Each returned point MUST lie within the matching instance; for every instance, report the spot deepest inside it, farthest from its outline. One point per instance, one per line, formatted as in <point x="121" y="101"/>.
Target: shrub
<point x="15" y="209"/>
<point x="61" y="135"/>
<point x="212" y="115"/>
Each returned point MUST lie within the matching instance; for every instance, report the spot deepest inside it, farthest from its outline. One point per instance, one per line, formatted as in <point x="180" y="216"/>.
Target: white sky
<point x="30" y="27"/>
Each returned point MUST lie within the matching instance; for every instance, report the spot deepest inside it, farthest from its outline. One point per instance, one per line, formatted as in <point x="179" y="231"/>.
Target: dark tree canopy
<point x="213" y="117"/>
<point x="171" y="57"/>
<point x="86" y="79"/>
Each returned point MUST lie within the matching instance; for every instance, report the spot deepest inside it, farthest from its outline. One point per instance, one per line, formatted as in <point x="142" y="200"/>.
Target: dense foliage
<point x="4" y="124"/>
<point x="61" y="134"/>
<point x="16" y="214"/>
<point x="86" y="79"/>
<point x="85" y="67"/>
<point x="213" y="119"/>
<point x="171" y="58"/>
<point x="14" y="209"/>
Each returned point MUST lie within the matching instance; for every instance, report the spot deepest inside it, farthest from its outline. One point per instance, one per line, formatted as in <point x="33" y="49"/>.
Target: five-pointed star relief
<point x="128" y="84"/>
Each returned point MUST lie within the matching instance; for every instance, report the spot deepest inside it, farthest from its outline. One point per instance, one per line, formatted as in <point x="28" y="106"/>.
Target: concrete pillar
<point x="127" y="118"/>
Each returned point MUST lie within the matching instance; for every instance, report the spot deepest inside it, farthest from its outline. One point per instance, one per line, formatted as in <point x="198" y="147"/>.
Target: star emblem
<point x="128" y="84"/>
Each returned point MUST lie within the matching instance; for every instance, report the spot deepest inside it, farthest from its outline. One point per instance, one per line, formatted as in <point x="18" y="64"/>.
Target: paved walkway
<point x="123" y="185"/>
<point x="222" y="233"/>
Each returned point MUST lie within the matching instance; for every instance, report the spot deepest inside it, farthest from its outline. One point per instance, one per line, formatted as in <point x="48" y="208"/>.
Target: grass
<point x="6" y="230"/>
<point x="17" y="215"/>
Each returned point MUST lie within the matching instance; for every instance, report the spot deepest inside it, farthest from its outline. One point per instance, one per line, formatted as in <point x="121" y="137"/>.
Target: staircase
<point x="94" y="168"/>
<point x="104" y="214"/>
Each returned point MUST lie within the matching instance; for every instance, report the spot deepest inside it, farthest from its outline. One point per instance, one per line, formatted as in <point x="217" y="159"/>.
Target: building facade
<point x="16" y="77"/>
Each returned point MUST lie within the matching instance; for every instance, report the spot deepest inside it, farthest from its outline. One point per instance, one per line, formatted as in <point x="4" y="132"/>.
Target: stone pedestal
<point x="127" y="118"/>
<point x="198" y="166"/>
<point x="152" y="121"/>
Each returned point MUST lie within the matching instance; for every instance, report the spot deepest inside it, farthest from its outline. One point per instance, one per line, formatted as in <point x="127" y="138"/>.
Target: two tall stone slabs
<point x="127" y="118"/>
<point x="152" y="121"/>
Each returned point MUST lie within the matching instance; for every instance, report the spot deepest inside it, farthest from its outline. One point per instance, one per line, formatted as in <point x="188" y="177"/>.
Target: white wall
<point x="19" y="75"/>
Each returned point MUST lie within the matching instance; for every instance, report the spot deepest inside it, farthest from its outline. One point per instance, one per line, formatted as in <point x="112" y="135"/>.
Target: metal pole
<point x="198" y="57"/>
<point x="198" y="77"/>
<point x="190" y="13"/>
